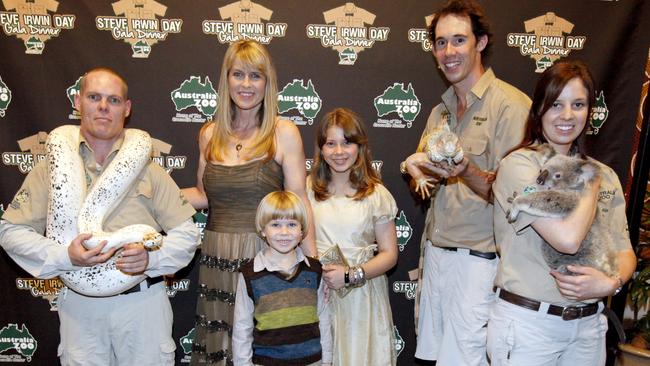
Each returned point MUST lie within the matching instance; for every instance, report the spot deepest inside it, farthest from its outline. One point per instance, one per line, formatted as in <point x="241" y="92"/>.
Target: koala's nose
<point x="541" y="178"/>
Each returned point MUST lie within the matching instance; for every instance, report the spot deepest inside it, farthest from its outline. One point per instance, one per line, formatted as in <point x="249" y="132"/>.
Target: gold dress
<point x="230" y="239"/>
<point x="362" y="322"/>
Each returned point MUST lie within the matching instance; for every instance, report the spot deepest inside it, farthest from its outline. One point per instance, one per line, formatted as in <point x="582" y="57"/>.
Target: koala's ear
<point x="589" y="170"/>
<point x="547" y="152"/>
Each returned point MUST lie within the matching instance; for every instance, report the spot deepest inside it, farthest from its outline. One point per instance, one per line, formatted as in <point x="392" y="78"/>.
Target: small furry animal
<point x="560" y="184"/>
<point x="443" y="145"/>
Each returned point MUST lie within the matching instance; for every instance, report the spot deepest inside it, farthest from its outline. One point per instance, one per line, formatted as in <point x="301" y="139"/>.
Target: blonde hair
<point x="255" y="56"/>
<point x="281" y="205"/>
<point x="363" y="177"/>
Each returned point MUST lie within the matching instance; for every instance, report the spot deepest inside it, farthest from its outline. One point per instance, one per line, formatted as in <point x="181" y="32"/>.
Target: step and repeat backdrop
<point x="368" y="55"/>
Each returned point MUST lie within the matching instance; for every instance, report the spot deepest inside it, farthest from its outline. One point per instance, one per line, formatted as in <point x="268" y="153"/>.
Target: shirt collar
<point x="262" y="261"/>
<point x="87" y="151"/>
<point x="477" y="91"/>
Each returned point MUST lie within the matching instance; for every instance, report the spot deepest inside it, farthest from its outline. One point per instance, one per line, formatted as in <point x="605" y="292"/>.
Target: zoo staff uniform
<point x="126" y="329"/>
<point x="456" y="287"/>
<point x="520" y="336"/>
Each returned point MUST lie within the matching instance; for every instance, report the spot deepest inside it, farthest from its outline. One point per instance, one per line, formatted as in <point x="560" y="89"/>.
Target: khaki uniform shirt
<point x="492" y="125"/>
<point x="154" y="199"/>
<point x="522" y="269"/>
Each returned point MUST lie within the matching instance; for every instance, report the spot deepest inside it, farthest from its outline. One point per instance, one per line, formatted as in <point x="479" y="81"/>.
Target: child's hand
<point x="333" y="274"/>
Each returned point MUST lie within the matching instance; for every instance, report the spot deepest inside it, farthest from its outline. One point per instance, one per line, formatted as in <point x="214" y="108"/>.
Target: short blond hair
<point x="281" y="205"/>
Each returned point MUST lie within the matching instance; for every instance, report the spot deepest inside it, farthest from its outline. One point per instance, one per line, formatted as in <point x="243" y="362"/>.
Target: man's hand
<point x="588" y="283"/>
<point x="80" y="256"/>
<point x="133" y="259"/>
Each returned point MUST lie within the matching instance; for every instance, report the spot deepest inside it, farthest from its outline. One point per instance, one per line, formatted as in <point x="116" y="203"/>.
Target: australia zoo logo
<point x="17" y="344"/>
<point x="70" y="92"/>
<point x="404" y="230"/>
<point x="192" y="96"/>
<point x="137" y="23"/>
<point x="346" y="32"/>
<point x="31" y="22"/>
<point x="5" y="97"/>
<point x="187" y="342"/>
<point x="301" y="98"/>
<point x="545" y="40"/>
<point x="599" y="114"/>
<point x="400" y="101"/>
<point x="244" y="20"/>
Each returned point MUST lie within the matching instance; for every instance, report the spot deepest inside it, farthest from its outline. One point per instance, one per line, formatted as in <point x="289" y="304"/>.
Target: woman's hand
<point x="587" y="283"/>
<point x="334" y="276"/>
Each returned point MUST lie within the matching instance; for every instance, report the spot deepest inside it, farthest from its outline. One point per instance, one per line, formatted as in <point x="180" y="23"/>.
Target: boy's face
<point x="283" y="235"/>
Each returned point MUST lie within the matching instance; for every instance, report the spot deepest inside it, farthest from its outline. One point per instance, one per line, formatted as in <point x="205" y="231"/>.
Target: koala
<point x="560" y="184"/>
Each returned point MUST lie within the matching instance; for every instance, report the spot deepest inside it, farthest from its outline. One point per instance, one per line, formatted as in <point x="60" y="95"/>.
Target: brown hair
<point x="362" y="176"/>
<point x="464" y="8"/>
<point x="547" y="90"/>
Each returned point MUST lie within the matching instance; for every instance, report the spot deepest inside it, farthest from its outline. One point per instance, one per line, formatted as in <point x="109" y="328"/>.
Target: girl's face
<point x="246" y="86"/>
<point x="283" y="235"/>
<point x="567" y="117"/>
<point x="339" y="153"/>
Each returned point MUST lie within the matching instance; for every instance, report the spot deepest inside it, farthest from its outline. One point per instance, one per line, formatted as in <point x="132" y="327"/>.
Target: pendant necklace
<point x="238" y="147"/>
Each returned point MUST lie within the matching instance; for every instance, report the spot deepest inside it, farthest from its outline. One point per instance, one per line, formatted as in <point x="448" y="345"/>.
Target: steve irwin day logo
<point x="48" y="289"/>
<point x="421" y="35"/>
<point x="400" y="101"/>
<point x="301" y="98"/>
<point x="31" y="22"/>
<point x="244" y="20"/>
<point x="346" y="31"/>
<point x="136" y="23"/>
<point x="33" y="150"/>
<point x="545" y="40"/>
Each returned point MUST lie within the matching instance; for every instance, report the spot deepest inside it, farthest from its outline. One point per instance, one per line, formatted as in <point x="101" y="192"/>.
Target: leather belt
<point x="150" y="282"/>
<point x="567" y="313"/>
<point x="476" y="253"/>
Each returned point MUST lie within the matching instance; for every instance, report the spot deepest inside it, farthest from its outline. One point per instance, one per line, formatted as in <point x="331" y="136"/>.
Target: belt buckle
<point x="572" y="313"/>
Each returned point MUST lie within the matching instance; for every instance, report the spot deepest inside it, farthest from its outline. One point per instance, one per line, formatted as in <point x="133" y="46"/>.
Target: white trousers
<point x="455" y="301"/>
<point x="519" y="336"/>
<point x="132" y="329"/>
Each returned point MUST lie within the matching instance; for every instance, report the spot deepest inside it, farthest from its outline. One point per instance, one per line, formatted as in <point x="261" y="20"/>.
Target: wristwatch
<point x="620" y="286"/>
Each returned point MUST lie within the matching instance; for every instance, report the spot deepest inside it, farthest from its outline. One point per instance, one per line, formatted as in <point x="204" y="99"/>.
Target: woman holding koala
<point x="543" y="317"/>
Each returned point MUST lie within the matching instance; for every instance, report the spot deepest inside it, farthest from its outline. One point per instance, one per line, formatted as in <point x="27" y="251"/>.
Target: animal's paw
<point x="512" y="214"/>
<point x="512" y="199"/>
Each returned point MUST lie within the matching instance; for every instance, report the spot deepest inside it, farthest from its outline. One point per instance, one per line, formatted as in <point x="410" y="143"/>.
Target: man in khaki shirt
<point x="460" y="258"/>
<point x="134" y="327"/>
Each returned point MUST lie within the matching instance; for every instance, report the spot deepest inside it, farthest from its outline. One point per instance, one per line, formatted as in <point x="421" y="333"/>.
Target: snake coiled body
<point x="72" y="211"/>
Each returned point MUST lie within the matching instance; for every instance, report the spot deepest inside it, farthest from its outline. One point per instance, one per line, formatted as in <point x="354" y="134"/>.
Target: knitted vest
<point x="286" y="315"/>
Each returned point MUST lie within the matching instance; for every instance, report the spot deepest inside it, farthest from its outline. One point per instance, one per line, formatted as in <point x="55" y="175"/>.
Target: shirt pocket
<point x="476" y="151"/>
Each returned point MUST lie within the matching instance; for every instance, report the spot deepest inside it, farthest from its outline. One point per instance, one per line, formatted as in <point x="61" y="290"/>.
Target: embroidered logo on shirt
<point x="21" y="197"/>
<point x="529" y="189"/>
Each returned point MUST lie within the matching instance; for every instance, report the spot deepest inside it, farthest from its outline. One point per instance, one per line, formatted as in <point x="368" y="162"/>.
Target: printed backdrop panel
<point x="370" y="56"/>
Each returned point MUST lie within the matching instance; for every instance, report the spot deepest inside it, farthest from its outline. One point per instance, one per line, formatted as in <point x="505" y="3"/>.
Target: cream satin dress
<point x="362" y="322"/>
